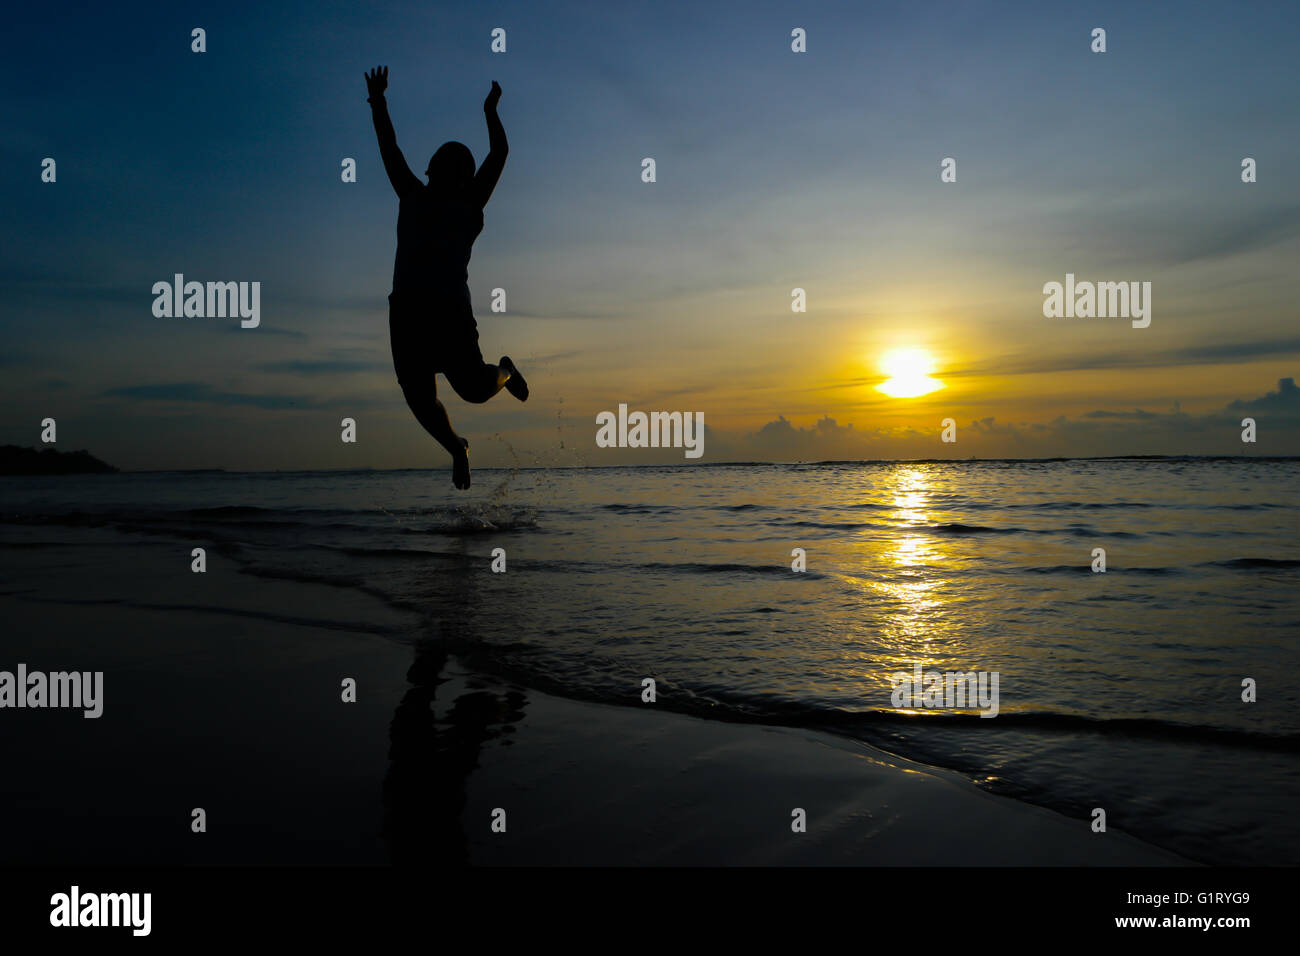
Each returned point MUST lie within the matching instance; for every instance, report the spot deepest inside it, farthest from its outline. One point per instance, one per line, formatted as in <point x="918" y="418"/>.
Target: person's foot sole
<point x="460" y="467"/>
<point x="515" y="384"/>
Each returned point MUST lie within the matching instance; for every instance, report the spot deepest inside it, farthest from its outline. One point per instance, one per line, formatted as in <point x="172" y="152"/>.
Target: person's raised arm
<point x="485" y="180"/>
<point x="399" y="174"/>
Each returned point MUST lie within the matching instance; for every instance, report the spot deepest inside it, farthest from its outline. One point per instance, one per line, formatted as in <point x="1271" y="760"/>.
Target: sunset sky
<point x="775" y="170"/>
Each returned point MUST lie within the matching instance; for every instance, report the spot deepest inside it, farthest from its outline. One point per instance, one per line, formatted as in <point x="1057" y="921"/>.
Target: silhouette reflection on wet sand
<point x="435" y="744"/>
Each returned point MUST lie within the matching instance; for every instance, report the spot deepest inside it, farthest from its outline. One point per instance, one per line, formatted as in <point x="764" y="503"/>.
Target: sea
<point x="1163" y="689"/>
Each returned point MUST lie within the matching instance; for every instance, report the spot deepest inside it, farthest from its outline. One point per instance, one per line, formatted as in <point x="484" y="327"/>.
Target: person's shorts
<point x="430" y="335"/>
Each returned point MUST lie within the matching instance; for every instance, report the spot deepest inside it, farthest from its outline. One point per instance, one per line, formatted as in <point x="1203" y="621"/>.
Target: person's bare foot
<point x="515" y="384"/>
<point x="460" y="467"/>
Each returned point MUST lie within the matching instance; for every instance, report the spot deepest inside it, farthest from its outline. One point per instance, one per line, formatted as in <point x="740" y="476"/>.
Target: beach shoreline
<point x="221" y="693"/>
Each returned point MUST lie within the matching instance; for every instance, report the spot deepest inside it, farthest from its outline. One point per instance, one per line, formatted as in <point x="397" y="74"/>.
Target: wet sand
<point x="223" y="691"/>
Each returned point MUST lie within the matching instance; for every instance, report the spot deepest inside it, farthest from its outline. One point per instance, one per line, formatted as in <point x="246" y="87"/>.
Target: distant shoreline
<point x="17" y="460"/>
<point x="677" y="466"/>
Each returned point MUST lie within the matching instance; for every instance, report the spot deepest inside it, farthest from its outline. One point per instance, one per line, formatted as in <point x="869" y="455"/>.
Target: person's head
<point x="451" y="167"/>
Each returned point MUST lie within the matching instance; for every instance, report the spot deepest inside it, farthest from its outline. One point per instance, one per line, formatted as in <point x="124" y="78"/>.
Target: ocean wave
<point x="638" y="509"/>
<point x="362" y="627"/>
<point x="831" y="525"/>
<point x="1086" y="568"/>
<point x="407" y="554"/>
<point x="696" y="567"/>
<point x="1074" y="530"/>
<point x="253" y="518"/>
<point x="1253" y="564"/>
<point x="472" y="523"/>
<point x="343" y="581"/>
<point x="1081" y="505"/>
<point x="870" y="724"/>
<point x="954" y="527"/>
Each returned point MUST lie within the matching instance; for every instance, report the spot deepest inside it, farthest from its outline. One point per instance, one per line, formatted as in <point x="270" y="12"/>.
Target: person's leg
<point x="477" y="382"/>
<point x="417" y="376"/>
<point x="431" y="414"/>
<point x="473" y="379"/>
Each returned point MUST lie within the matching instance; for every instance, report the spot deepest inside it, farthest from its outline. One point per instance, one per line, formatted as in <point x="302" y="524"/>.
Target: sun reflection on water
<point x="916" y="596"/>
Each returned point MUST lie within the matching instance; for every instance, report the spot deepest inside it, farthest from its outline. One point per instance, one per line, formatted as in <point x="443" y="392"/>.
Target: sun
<point x="909" y="373"/>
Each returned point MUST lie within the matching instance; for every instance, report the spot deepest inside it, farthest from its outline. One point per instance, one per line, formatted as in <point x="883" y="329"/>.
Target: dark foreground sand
<point x="222" y="691"/>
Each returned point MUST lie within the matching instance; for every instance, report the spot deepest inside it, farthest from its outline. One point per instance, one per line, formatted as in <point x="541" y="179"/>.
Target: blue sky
<point x="775" y="170"/>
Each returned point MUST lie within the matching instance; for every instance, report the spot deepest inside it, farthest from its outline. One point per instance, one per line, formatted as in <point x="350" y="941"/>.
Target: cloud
<point x="554" y="357"/>
<point x="262" y="329"/>
<point x="1246" y="231"/>
<point x="782" y="440"/>
<point x="1169" y="232"/>
<point x="322" y="367"/>
<point x="1136" y="413"/>
<point x="564" y="314"/>
<point x="1222" y="353"/>
<point x="197" y="392"/>
<point x="1097" y="433"/>
<point x="1286" y="400"/>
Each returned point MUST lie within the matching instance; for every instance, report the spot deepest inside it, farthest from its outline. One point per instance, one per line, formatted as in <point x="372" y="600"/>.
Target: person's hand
<point x="490" y="103"/>
<point x="377" y="81"/>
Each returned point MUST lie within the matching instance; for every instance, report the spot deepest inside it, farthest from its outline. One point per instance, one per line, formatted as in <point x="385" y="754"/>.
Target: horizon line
<point x="718" y="464"/>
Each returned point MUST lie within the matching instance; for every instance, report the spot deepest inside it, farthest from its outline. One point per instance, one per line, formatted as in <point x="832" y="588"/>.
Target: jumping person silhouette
<point x="430" y="321"/>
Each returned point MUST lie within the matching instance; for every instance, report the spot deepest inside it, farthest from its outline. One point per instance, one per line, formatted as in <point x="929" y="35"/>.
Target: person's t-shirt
<point x="435" y="235"/>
